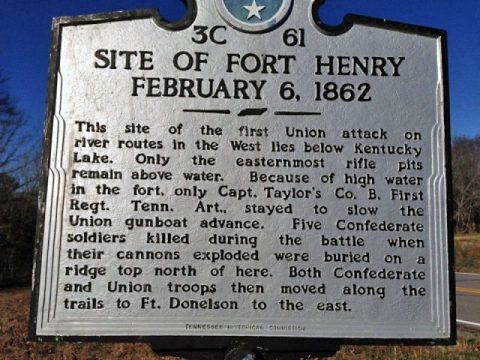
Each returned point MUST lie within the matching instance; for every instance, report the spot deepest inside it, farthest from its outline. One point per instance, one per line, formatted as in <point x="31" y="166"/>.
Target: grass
<point x="14" y="307"/>
<point x="467" y="348"/>
<point x="467" y="252"/>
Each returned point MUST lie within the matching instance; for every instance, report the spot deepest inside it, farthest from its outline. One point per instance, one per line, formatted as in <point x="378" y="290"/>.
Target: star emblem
<point x="254" y="16"/>
<point x="254" y="10"/>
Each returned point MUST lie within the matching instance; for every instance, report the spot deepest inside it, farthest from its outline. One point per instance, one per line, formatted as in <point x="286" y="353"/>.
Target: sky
<point x="25" y="44"/>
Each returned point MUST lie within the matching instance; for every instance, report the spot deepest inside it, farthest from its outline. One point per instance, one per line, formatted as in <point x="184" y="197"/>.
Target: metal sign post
<point x="247" y="177"/>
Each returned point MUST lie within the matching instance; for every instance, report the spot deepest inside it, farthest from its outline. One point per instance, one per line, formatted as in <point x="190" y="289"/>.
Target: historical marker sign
<point x="246" y="173"/>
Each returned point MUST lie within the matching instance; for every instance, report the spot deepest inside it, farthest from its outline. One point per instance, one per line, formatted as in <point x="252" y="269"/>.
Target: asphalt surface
<point x="468" y="299"/>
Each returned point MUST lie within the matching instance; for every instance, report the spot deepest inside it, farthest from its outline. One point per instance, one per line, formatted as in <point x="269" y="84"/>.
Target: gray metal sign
<point x="248" y="173"/>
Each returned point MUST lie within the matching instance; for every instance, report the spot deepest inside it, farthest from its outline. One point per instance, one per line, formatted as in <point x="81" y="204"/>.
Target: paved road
<point x="468" y="299"/>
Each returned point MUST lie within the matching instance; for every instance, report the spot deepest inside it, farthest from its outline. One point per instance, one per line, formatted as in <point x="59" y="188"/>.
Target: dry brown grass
<point x="467" y="348"/>
<point x="467" y="252"/>
<point x="14" y="307"/>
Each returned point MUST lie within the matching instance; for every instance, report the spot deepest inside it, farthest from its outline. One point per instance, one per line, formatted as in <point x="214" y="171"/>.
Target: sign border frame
<point x="190" y="345"/>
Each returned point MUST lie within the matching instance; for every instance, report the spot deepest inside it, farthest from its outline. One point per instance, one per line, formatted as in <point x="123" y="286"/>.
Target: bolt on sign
<point x="246" y="173"/>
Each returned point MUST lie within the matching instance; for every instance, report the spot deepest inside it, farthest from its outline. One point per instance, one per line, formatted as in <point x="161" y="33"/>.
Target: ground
<point x="14" y="308"/>
<point x="467" y="252"/>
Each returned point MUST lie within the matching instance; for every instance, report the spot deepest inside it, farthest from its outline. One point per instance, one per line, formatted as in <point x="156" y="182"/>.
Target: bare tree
<point x="466" y="183"/>
<point x="11" y="123"/>
<point x="17" y="191"/>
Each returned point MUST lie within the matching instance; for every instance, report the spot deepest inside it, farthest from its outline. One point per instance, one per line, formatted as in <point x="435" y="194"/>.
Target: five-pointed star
<point x="254" y="10"/>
